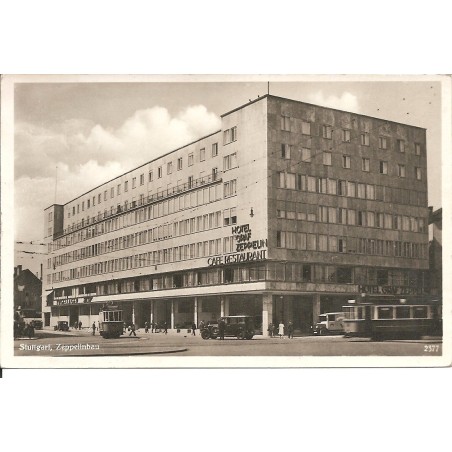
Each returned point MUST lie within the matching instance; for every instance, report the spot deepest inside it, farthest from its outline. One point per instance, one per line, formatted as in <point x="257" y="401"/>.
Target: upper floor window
<point x="346" y="160"/>
<point x="418" y="173"/>
<point x="383" y="167"/>
<point x="285" y="123"/>
<point x="230" y="216"/>
<point x="214" y="149"/>
<point x="190" y="159"/>
<point x="134" y="182"/>
<point x="169" y="167"/>
<point x="327" y="132"/>
<point x="105" y="195"/>
<point x="151" y="176"/>
<point x="365" y="164"/>
<point x="305" y="128"/>
<point x="118" y="191"/>
<point x="126" y="186"/>
<point x="99" y="197"/>
<point x="401" y="145"/>
<point x="179" y="163"/>
<point x="382" y="142"/>
<point x="306" y="155"/>
<point x="285" y="151"/>
<point x="88" y="203"/>
<point x="346" y="136"/>
<point x="159" y="172"/>
<point x="417" y="148"/>
<point x="230" y="188"/>
<point x="112" y="192"/>
<point x="230" y="135"/>
<point x="365" y="139"/>
<point x="401" y="170"/>
<point x="327" y="158"/>
<point x="141" y="179"/>
<point x="230" y="161"/>
<point x="202" y="154"/>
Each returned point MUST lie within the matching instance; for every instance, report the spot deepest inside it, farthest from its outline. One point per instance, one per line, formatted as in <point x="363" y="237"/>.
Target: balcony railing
<point x="145" y="201"/>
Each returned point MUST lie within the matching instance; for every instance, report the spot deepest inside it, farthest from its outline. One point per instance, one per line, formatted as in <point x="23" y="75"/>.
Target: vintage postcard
<point x="225" y="221"/>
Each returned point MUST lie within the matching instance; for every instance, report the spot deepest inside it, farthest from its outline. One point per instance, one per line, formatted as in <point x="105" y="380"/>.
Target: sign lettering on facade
<point x="242" y="234"/>
<point x="390" y="290"/>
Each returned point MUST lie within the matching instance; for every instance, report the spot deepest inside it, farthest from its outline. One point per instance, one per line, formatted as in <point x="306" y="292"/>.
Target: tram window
<point x="402" y="312"/>
<point x="384" y="312"/>
<point x="420" y="312"/>
<point x="348" y="311"/>
<point x="382" y="277"/>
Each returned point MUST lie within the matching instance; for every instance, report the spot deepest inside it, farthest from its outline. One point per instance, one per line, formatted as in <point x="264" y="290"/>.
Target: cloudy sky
<point x="93" y="132"/>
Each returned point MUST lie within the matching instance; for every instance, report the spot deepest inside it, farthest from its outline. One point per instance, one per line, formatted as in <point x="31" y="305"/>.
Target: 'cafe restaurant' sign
<point x="247" y="250"/>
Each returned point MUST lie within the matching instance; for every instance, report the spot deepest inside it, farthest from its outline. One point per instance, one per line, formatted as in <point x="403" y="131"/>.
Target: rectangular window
<point x="323" y="243"/>
<point x="327" y="132"/>
<point x="322" y="185"/>
<point x="230" y="161"/>
<point x="327" y="158"/>
<point x="342" y="245"/>
<point x="202" y="154"/>
<point x="365" y="166"/>
<point x="362" y="191"/>
<point x="134" y="182"/>
<point x="418" y="173"/>
<point x="311" y="185"/>
<point x="126" y="187"/>
<point x="179" y="163"/>
<point x="401" y="170"/>
<point x="332" y="186"/>
<point x="230" y="188"/>
<point x="342" y="216"/>
<point x="346" y="161"/>
<point x="169" y="167"/>
<point x="159" y="172"/>
<point x="417" y="148"/>
<point x="230" y="135"/>
<point x="401" y="145"/>
<point x="285" y="123"/>
<point x="365" y="139"/>
<point x="383" y="167"/>
<point x="351" y="189"/>
<point x="311" y="242"/>
<point x="351" y="217"/>
<point x="285" y="151"/>
<point x="305" y="155"/>
<point x="305" y="128"/>
<point x="342" y="188"/>
<point x="99" y="198"/>
<point x="346" y="136"/>
<point x="382" y="143"/>
<point x="190" y="159"/>
<point x="151" y="176"/>
<point x="290" y="181"/>
<point x="214" y="149"/>
<point x="112" y="192"/>
<point x="370" y="191"/>
<point x="234" y="133"/>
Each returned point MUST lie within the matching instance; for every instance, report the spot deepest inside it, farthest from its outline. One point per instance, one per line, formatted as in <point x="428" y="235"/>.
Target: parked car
<point x="62" y="325"/>
<point x="239" y="326"/>
<point x="330" y="323"/>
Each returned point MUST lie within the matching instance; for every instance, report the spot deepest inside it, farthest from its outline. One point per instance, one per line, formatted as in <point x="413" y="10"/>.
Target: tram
<point x="393" y="319"/>
<point x="111" y="324"/>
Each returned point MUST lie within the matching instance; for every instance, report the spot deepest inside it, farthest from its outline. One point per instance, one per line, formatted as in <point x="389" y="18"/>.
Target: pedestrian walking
<point x="290" y="330"/>
<point x="221" y="328"/>
<point x="281" y="329"/>
<point x="165" y="328"/>
<point x="193" y="329"/>
<point x="132" y="330"/>
<point x="202" y="325"/>
<point x="80" y="325"/>
<point x="146" y="327"/>
<point x="94" y="328"/>
<point x="75" y="325"/>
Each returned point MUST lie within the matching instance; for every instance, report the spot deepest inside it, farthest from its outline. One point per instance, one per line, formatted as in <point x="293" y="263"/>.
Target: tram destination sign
<point x="246" y="249"/>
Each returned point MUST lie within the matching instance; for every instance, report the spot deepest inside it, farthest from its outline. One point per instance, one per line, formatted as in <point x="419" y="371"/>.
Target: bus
<point x="111" y="324"/>
<point x="393" y="319"/>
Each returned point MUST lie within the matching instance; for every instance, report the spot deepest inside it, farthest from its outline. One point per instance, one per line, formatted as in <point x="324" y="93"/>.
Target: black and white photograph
<point x="277" y="221"/>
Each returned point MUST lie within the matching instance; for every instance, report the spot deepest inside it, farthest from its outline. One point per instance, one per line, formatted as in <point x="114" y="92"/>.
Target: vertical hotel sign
<point x="246" y="250"/>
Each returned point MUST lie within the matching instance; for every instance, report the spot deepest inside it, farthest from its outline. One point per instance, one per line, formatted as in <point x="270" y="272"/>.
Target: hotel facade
<point x="288" y="211"/>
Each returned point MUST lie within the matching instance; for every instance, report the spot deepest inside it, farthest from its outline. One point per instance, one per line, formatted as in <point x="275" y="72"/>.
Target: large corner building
<point x="288" y="211"/>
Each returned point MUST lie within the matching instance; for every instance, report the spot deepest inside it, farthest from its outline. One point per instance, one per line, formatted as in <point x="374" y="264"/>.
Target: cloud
<point x="89" y="154"/>
<point x="346" y="101"/>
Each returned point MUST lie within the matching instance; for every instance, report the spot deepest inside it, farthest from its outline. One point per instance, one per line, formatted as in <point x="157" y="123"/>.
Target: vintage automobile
<point x="239" y="326"/>
<point x="330" y="323"/>
<point x="62" y="325"/>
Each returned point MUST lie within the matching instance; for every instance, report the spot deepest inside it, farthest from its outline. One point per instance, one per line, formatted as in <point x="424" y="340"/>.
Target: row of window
<point x="336" y="244"/>
<point x="162" y="256"/>
<point x="110" y="193"/>
<point x="324" y="185"/>
<point x="327" y="158"/>
<point x="352" y="217"/>
<point x="169" y="206"/>
<point x="269" y="271"/>
<point x="293" y="125"/>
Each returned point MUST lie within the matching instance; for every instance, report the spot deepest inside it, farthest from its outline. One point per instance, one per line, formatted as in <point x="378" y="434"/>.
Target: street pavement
<point x="82" y="343"/>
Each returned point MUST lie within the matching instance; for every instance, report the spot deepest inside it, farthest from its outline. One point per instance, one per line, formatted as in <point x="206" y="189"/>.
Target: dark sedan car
<point x="239" y="326"/>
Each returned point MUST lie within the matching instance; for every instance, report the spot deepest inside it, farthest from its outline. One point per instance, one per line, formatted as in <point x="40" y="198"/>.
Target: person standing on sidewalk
<point x="281" y="329"/>
<point x="146" y="327"/>
<point x="221" y="327"/>
<point x="132" y="330"/>
<point x="165" y="326"/>
<point x="290" y="330"/>
<point x="94" y="328"/>
<point x="193" y="329"/>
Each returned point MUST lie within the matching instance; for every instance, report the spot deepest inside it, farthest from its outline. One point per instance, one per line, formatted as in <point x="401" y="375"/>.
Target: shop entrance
<point x="73" y="316"/>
